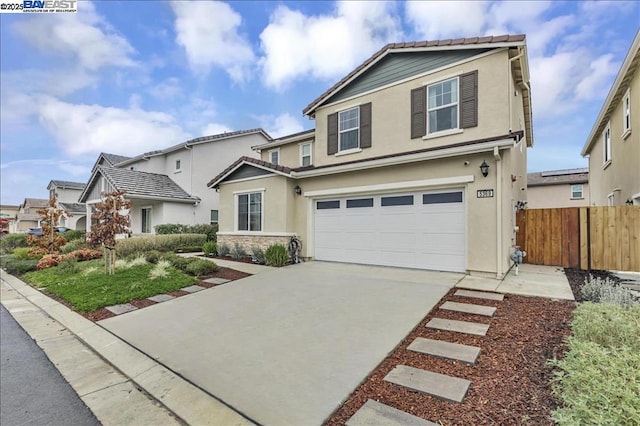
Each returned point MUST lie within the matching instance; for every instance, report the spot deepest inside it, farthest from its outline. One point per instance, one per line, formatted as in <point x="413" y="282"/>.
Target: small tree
<point x="50" y="242"/>
<point x="111" y="218"/>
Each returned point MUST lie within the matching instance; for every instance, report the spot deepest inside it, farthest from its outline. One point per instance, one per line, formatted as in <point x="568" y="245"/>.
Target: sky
<point x="126" y="77"/>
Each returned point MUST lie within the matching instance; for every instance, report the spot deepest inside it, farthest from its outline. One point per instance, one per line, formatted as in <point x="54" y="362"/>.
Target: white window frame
<point x="606" y="146"/>
<point x="211" y="221"/>
<point x="573" y="191"/>
<point x="302" y="145"/>
<point x="150" y="209"/>
<point x="178" y="164"/>
<point x="457" y="104"/>
<point x="350" y="129"/>
<point x="237" y="196"/>
<point x="626" y="114"/>
<point x="277" y="152"/>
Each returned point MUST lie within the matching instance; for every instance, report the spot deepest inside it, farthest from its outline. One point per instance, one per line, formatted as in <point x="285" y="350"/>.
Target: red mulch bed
<point x="230" y="259"/>
<point x="511" y="378"/>
<point x="576" y="279"/>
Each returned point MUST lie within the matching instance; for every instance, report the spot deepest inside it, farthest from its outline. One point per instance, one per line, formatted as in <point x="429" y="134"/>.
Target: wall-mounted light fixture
<point x="629" y="202"/>
<point x="298" y="190"/>
<point x="484" y="168"/>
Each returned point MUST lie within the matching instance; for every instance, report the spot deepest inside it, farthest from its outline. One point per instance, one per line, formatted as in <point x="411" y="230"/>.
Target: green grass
<point x="89" y="288"/>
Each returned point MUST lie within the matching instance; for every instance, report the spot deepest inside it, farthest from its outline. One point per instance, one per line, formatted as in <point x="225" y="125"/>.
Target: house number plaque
<point x="485" y="193"/>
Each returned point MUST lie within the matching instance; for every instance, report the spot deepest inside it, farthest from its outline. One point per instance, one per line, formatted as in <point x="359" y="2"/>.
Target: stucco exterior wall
<point x="556" y="196"/>
<point x="391" y="112"/>
<point x="67" y="195"/>
<point x="621" y="177"/>
<point x="289" y="154"/>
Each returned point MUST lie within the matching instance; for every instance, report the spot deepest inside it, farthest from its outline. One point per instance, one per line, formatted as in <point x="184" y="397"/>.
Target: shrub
<point x="163" y="243"/>
<point x="49" y="261"/>
<point x="10" y="242"/>
<point x="210" y="248"/>
<point x="153" y="256"/>
<point x="171" y="228"/>
<point x="73" y="245"/>
<point x="257" y="255"/>
<point x="23" y="253"/>
<point x="209" y="230"/>
<point x="200" y="267"/>
<point x="189" y="249"/>
<point x="85" y="254"/>
<point x="607" y="324"/>
<point x="160" y="270"/>
<point x="179" y="262"/>
<point x="68" y="265"/>
<point x="223" y="250"/>
<point x="276" y="255"/>
<point x="18" y="267"/>
<point x="238" y="252"/>
<point x="174" y="228"/>
<point x="74" y="234"/>
<point x="605" y="291"/>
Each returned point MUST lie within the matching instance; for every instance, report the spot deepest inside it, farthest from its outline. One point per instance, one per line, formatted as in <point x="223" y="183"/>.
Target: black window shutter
<point x="365" y="125"/>
<point x="469" y="100"/>
<point x="332" y="133"/>
<point x="418" y="112"/>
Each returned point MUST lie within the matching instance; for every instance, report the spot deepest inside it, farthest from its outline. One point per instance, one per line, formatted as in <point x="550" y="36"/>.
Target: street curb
<point x="182" y="399"/>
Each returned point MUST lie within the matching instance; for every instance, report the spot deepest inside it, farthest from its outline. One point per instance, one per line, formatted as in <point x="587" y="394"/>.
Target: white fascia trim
<point x="410" y="158"/>
<point x="395" y="83"/>
<point x="259" y="148"/>
<point x="246" y="179"/>
<point x="250" y="164"/>
<point x="409" y="185"/>
<point x="257" y="234"/>
<point x="163" y="199"/>
<point x="247" y="191"/>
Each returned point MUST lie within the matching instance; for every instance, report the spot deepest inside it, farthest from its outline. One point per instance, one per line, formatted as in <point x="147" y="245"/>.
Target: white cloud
<point x="208" y="31"/>
<point x="326" y="46"/>
<point x="552" y="79"/>
<point x="167" y="89"/>
<point x="600" y="72"/>
<point x="83" y="35"/>
<point x="215" y="129"/>
<point x="435" y="20"/>
<point x="84" y="129"/>
<point x="280" y="125"/>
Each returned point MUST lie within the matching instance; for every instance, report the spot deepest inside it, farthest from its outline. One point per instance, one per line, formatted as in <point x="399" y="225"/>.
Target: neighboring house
<point x="613" y="146"/>
<point x="68" y="195"/>
<point x="410" y="163"/>
<point x="170" y="185"/>
<point x="8" y="216"/>
<point x="28" y="216"/>
<point x="558" y="188"/>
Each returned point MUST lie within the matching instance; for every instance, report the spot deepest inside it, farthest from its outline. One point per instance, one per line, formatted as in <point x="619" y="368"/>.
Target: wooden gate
<point x="581" y="237"/>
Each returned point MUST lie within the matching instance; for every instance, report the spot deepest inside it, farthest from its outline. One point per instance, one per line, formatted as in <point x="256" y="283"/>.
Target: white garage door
<point x="424" y="230"/>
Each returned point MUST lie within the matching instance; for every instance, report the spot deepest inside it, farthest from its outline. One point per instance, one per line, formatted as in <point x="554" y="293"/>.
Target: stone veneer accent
<point x="248" y="241"/>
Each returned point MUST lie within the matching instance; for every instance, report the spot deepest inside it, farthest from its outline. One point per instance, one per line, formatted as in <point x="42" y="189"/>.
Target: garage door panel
<point x="441" y="261"/>
<point x="440" y="243"/>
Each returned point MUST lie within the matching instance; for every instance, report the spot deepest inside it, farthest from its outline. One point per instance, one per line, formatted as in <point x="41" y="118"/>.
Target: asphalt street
<point x="32" y="391"/>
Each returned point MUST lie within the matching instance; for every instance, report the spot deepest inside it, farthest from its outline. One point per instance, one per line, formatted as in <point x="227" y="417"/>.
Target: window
<point x="305" y="154"/>
<point x="274" y="156"/>
<point x="626" y="114"/>
<point x="576" y="192"/>
<point x="403" y="200"/>
<point x="361" y="202"/>
<point x="214" y="217"/>
<point x="349" y="129"/>
<point x="250" y="211"/>
<point x="607" y="144"/>
<point x="444" y="197"/>
<point x="325" y="205"/>
<point x="177" y="164"/>
<point x="145" y="214"/>
<point x="442" y="106"/>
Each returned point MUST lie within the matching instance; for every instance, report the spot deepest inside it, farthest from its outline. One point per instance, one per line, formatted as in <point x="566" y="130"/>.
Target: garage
<point x="424" y="230"/>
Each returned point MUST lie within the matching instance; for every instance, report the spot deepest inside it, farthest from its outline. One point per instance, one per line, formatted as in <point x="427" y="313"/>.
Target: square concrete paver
<point x="443" y="349"/>
<point x="287" y="346"/>
<point x="215" y="280"/>
<point x="469" y="308"/>
<point x="373" y="413"/>
<point x="161" y="298"/>
<point x="192" y="289"/>
<point x="121" y="309"/>
<point x="459" y="326"/>
<point x="436" y="384"/>
<point x="479" y="295"/>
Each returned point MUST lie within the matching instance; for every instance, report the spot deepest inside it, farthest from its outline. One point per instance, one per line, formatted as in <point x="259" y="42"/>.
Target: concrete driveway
<point x="287" y="346"/>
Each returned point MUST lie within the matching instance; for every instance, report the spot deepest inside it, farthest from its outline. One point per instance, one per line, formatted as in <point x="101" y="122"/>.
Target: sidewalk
<point x="119" y="384"/>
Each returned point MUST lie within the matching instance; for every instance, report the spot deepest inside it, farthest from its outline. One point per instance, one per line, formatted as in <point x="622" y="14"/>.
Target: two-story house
<point x="170" y="185"/>
<point x="68" y="194"/>
<point x="28" y="216"/>
<point x="418" y="159"/>
<point x="613" y="147"/>
<point x="558" y="188"/>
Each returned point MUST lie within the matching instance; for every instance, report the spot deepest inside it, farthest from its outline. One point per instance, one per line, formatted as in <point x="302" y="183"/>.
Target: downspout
<point x="496" y="156"/>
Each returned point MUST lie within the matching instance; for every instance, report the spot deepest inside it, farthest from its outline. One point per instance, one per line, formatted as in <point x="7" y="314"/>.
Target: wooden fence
<point x="581" y="237"/>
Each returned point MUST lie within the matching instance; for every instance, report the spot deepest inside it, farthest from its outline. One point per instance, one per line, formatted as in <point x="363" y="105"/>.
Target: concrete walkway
<point x="249" y="268"/>
<point x="532" y="280"/>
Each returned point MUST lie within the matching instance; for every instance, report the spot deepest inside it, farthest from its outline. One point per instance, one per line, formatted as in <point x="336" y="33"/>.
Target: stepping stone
<point x="121" y="309"/>
<point x="192" y="289"/>
<point x="439" y="385"/>
<point x="479" y="294"/>
<point x="215" y="280"/>
<point x="442" y="349"/>
<point x="161" y="298"/>
<point x="459" y="326"/>
<point x="469" y="308"/>
<point x="373" y="413"/>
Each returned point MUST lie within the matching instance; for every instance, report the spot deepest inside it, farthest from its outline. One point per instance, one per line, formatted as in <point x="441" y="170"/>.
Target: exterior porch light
<point x="298" y="190"/>
<point x="484" y="168"/>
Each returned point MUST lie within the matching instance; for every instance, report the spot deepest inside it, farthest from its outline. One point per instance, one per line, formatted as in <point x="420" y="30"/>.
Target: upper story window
<point x="626" y="114"/>
<point x="606" y="142"/>
<point x="576" y="192"/>
<point x="274" y="156"/>
<point x="442" y="106"/>
<point x="177" y="165"/>
<point x="349" y="129"/>
<point x="305" y="154"/>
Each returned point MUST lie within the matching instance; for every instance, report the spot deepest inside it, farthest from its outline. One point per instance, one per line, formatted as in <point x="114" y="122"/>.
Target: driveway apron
<point x="287" y="346"/>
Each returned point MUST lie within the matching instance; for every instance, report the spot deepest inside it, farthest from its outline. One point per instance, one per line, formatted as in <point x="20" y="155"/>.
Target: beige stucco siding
<point x="289" y="154"/>
<point x="622" y="176"/>
<point x="555" y="196"/>
<point x="391" y="111"/>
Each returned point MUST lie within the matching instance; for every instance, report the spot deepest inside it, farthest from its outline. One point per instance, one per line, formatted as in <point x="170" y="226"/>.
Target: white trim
<point x="394" y="186"/>
<point x="636" y="197"/>
<point x="245" y="191"/>
<point x="571" y="191"/>
<point x="270" y="152"/>
<point x="310" y="136"/>
<point x="242" y="163"/>
<point x="247" y="179"/>
<point x="351" y="129"/>
<point x="257" y="233"/>
<point x="236" y="195"/>
<point x="457" y="105"/>
<point x="443" y="133"/>
<point x="606" y="146"/>
<point x="398" y="82"/>
<point x="443" y="78"/>
<point x="409" y="158"/>
<point x="611" y="199"/>
<point x="347" y="152"/>
<point x="300" y="145"/>
<point x="626" y="131"/>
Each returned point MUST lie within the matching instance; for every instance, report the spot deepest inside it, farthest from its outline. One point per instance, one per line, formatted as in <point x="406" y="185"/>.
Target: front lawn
<point x="88" y="287"/>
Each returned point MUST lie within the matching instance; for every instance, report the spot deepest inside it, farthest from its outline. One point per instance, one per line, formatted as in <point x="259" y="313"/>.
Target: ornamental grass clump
<point x="210" y="248"/>
<point x="238" y="252"/>
<point x="160" y="270"/>
<point x="257" y="255"/>
<point x="276" y="255"/>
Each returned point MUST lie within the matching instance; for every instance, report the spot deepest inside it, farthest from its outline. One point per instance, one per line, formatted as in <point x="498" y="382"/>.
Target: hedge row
<point x="162" y="243"/>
